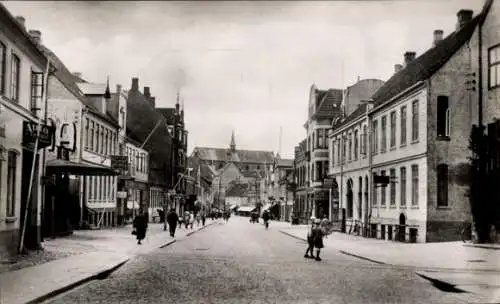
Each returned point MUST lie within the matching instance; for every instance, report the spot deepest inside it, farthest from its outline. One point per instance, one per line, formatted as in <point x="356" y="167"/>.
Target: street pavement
<point x="452" y="265"/>
<point x="87" y="255"/>
<point x="240" y="262"/>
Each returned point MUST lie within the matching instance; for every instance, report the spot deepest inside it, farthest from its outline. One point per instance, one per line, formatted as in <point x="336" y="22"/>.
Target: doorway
<point x="402" y="228"/>
<point x="349" y="197"/>
<point x="32" y="234"/>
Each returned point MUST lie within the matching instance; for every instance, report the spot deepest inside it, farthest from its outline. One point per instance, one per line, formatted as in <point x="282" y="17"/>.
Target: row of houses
<point x="245" y="179"/>
<point x="75" y="153"/>
<point x="390" y="160"/>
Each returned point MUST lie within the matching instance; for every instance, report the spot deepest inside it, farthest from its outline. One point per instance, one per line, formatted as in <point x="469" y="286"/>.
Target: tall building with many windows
<point x="418" y="125"/>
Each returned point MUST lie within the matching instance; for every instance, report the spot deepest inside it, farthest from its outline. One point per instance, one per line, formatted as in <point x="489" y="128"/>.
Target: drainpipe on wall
<point x="370" y="162"/>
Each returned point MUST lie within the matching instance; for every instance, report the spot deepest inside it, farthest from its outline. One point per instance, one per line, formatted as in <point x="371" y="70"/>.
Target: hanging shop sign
<point x="30" y="133"/>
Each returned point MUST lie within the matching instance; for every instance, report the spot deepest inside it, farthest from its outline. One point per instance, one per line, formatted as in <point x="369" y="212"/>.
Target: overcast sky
<point x="246" y="66"/>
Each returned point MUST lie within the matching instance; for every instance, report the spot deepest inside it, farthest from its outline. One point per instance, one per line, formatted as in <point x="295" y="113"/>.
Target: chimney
<point x="118" y="89"/>
<point x="147" y="92"/>
<point x="21" y="21"/>
<point x="77" y="74"/>
<point x="397" y="67"/>
<point x="152" y="101"/>
<point x="36" y="35"/>
<point x="464" y="16"/>
<point x="409" y="57"/>
<point x="135" y="84"/>
<point x="438" y="36"/>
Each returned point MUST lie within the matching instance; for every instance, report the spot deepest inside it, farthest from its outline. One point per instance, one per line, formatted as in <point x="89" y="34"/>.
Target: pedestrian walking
<point x="191" y="220"/>
<point x="266" y="217"/>
<point x="203" y="218"/>
<point x="172" y="219"/>
<point x="317" y="237"/>
<point x="325" y="226"/>
<point x="310" y="243"/>
<point x="140" y="226"/>
<point x="198" y="219"/>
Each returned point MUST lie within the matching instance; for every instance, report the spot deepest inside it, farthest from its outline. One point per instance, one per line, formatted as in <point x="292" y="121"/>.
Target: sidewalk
<point x="469" y="268"/>
<point x="90" y="254"/>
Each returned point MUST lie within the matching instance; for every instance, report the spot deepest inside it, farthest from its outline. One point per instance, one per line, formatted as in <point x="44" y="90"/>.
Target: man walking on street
<point x="172" y="219"/>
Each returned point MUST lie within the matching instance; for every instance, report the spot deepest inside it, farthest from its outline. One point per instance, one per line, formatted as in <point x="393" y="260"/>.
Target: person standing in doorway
<point x="172" y="219"/>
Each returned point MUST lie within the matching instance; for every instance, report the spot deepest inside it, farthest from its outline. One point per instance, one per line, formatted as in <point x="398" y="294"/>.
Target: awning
<point x="246" y="209"/>
<point x="65" y="166"/>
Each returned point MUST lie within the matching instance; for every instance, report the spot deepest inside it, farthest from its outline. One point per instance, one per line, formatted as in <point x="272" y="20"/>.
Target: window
<point x="350" y="146"/>
<point x="443" y="117"/>
<point x="14" y="78"/>
<point x="375" y="137"/>
<point x="382" y="190"/>
<point x="356" y="145"/>
<point x="96" y="138"/>
<point x="92" y="136"/>
<point x="375" y="195"/>
<point x="344" y="148"/>
<point x="94" y="194"/>
<point x="403" y="125"/>
<point x="106" y="141"/>
<point x="365" y="140"/>
<point x="339" y="148"/>
<point x="383" y="145"/>
<point x="105" y="187"/>
<point x="101" y="149"/>
<point x="393" y="129"/>
<point x="414" y="185"/>
<point x="333" y="153"/>
<point x="442" y="185"/>
<point x="36" y="91"/>
<point x="494" y="67"/>
<point x="414" y="120"/>
<point x="87" y="126"/>
<point x="11" y="183"/>
<point x="313" y="142"/>
<point x="320" y="138"/>
<point x="3" y="66"/>
<point x="403" y="186"/>
<point x="392" y="182"/>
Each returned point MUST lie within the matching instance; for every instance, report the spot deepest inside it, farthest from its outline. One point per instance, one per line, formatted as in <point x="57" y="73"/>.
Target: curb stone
<point x="100" y="275"/>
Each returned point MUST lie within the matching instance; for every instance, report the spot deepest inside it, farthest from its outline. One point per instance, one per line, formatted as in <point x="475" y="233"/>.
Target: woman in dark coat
<point x="140" y="226"/>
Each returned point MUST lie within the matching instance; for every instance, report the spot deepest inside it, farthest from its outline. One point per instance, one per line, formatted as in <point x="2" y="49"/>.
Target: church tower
<point x="233" y="143"/>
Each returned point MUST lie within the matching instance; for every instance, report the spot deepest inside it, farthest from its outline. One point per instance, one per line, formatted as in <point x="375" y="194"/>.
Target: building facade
<point x="418" y="124"/>
<point x="324" y="107"/>
<point x="349" y="169"/>
<point x="22" y="81"/>
<point x="301" y="204"/>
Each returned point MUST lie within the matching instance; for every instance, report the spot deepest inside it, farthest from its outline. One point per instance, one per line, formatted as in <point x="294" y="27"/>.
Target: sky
<point x="242" y="66"/>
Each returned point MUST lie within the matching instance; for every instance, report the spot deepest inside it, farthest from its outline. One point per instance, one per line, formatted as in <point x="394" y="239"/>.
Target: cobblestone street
<point x="239" y="262"/>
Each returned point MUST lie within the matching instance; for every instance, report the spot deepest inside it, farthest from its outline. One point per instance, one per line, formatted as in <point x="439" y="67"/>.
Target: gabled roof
<point x="68" y="80"/>
<point x="237" y="190"/>
<point x="168" y="113"/>
<point x="360" y="111"/>
<point x="424" y="66"/>
<point x="92" y="88"/>
<point x="244" y="156"/>
<point x="252" y="173"/>
<point x="285" y="163"/>
<point x="328" y="103"/>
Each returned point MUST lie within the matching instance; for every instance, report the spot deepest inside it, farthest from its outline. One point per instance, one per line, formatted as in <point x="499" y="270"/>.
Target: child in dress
<point x="310" y="241"/>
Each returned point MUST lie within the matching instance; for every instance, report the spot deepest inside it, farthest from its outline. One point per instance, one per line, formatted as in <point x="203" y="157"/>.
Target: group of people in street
<point x="172" y="220"/>
<point x="319" y="230"/>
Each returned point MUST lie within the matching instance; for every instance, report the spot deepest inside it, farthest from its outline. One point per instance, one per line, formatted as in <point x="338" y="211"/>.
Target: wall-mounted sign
<point x="121" y="194"/>
<point x="30" y="133"/>
<point x="119" y="162"/>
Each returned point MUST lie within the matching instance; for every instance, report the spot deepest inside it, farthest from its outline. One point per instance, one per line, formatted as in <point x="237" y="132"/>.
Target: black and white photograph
<point x="341" y="151"/>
